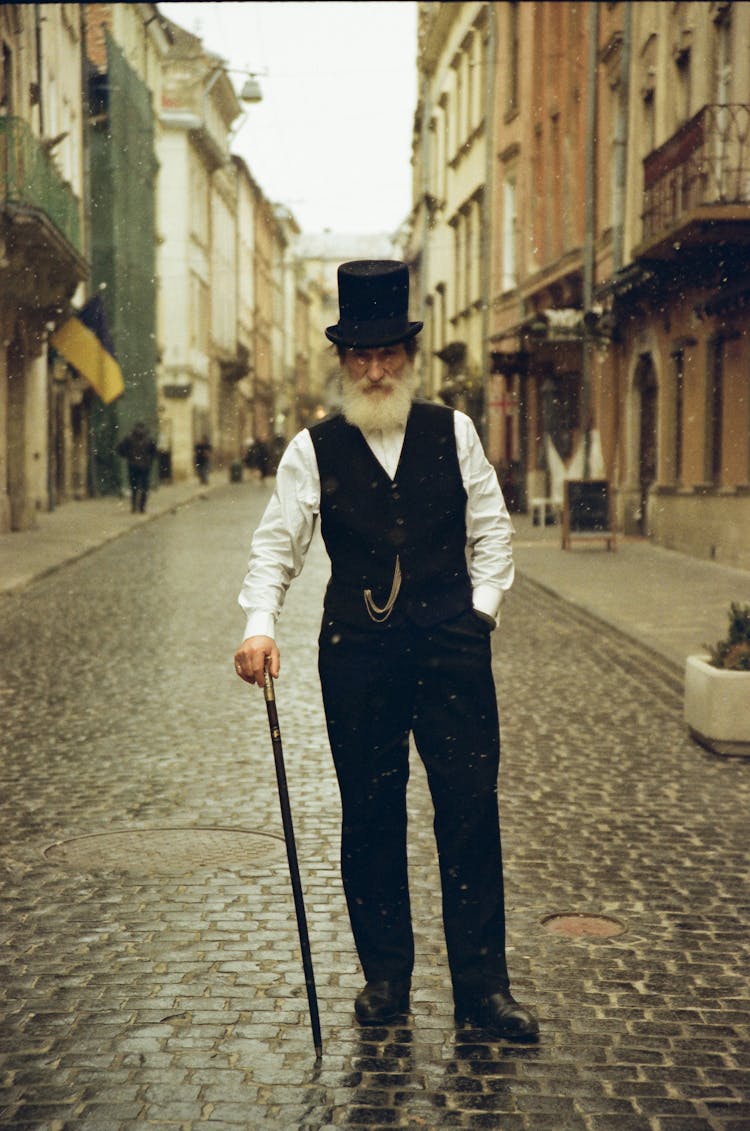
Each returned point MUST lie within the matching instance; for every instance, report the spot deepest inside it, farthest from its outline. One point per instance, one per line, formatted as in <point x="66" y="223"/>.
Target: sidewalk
<point x="669" y="602"/>
<point x="76" y="528"/>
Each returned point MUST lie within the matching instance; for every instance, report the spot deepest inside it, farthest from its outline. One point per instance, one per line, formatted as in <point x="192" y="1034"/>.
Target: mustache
<point x="365" y="386"/>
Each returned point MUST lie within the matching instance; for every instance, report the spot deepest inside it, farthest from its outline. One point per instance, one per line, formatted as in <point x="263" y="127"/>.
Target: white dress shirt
<point x="283" y="536"/>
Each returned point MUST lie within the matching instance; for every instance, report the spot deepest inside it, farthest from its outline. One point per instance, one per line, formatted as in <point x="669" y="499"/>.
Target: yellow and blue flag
<point x="85" y="343"/>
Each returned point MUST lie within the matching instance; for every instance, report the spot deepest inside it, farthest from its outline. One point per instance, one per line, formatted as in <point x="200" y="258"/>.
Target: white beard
<point x="375" y="409"/>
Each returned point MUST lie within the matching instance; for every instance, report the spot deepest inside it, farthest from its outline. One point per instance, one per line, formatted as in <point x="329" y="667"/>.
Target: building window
<point x="472" y="83"/>
<point x="511" y="93"/>
<point x="458" y="114"/>
<point x="441" y="319"/>
<point x="648" y="132"/>
<point x="435" y="157"/>
<point x="536" y="243"/>
<point x="715" y="411"/>
<point x="470" y="79"/>
<point x="7" y="83"/>
<point x="451" y="123"/>
<point x="683" y="91"/>
<point x="723" y="59"/>
<point x="678" y="364"/>
<point x="199" y="311"/>
<point x="648" y="87"/>
<point x="199" y="202"/>
<point x="444" y="149"/>
<point x="469" y="252"/>
<point x="483" y="61"/>
<point x="458" y="259"/>
<point x="553" y="179"/>
<point x="508" y="249"/>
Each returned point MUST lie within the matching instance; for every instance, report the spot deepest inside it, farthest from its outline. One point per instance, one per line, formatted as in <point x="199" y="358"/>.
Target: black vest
<point x="367" y="520"/>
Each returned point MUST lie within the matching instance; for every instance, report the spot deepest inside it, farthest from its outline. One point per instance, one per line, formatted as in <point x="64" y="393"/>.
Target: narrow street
<point x="151" y="974"/>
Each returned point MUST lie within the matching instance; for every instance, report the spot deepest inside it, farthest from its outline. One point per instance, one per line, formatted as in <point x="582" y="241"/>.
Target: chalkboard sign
<point x="587" y="512"/>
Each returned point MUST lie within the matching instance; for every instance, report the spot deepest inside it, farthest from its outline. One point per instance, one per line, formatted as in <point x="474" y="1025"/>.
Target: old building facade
<point x="538" y="264"/>
<point x="673" y="387"/>
<point x="42" y="255"/>
<point x="126" y="45"/>
<point x="243" y="388"/>
<point x="118" y="181"/>
<point x="198" y="255"/>
<point x="615" y="337"/>
<point x="448" y="248"/>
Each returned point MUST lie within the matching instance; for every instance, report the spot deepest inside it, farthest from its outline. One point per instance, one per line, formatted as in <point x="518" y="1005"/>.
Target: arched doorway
<point x="648" y="396"/>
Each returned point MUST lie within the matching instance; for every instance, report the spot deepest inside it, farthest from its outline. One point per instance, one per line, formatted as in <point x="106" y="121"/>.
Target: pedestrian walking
<point x="402" y="489"/>
<point x="202" y="458"/>
<point x="278" y="444"/>
<point x="256" y="458"/>
<point x="139" y="450"/>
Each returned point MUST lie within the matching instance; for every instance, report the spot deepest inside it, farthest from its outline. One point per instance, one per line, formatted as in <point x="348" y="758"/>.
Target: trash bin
<point x="235" y="471"/>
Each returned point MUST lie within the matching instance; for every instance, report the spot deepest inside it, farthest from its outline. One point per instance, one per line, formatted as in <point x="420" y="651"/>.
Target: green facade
<point x="123" y="169"/>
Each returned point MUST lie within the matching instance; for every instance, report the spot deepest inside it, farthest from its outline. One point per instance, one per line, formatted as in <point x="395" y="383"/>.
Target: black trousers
<point x="379" y="684"/>
<point x="139" y="479"/>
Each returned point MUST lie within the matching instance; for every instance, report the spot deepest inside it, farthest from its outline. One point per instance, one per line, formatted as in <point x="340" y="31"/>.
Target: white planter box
<point x="717" y="706"/>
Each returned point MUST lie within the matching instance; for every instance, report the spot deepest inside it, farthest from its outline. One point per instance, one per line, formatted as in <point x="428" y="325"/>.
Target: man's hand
<point x="250" y="659"/>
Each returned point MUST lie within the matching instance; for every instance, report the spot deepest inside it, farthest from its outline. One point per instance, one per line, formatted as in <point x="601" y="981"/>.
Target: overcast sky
<point x="332" y="137"/>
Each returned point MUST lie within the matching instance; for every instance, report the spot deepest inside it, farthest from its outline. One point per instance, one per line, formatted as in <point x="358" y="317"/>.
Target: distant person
<point x="202" y="457"/>
<point x="278" y="446"/>
<point x="256" y="458"/>
<point x="139" y="450"/>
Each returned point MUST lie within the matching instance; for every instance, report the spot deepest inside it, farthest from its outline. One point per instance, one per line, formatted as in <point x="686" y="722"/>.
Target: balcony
<point x="30" y="180"/>
<point x="697" y="185"/>
<point x="41" y="221"/>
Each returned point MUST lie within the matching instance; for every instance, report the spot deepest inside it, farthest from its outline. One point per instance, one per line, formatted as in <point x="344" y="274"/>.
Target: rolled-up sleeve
<point x="489" y="529"/>
<point x="282" y="538"/>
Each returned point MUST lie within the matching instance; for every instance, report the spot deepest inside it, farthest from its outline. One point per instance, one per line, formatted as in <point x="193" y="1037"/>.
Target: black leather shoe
<point x="382" y="1001"/>
<point x="501" y="1014"/>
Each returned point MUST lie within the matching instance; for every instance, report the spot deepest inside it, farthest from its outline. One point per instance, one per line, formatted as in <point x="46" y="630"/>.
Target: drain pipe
<point x="487" y="213"/>
<point x="427" y="390"/>
<point x="589" y="230"/>
<point x="621" y="143"/>
<point x="39" y="79"/>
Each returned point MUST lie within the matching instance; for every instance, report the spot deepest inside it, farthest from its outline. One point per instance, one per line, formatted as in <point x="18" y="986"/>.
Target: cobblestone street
<point x="151" y="975"/>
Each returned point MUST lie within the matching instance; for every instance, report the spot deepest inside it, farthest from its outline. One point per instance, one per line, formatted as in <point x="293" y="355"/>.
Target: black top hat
<point x="373" y="305"/>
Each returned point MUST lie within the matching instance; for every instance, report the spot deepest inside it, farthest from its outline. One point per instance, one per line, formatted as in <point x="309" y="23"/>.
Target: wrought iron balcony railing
<point x="30" y="180"/>
<point x="706" y="163"/>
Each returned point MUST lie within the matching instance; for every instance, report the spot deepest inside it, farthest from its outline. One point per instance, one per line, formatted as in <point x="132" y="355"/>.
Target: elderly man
<point x="403" y="489"/>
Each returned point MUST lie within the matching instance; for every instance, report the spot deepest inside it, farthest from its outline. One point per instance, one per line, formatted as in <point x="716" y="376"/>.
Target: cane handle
<point x="267" y="683"/>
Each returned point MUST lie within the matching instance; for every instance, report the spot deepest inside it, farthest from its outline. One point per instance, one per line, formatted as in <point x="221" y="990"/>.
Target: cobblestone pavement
<point x="151" y="975"/>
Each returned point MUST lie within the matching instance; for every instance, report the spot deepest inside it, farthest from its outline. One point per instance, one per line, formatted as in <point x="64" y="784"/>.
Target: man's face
<point x="378" y="387"/>
<point x="376" y="371"/>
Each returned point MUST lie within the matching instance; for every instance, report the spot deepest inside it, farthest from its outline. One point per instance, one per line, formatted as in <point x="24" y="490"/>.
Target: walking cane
<point x="291" y="852"/>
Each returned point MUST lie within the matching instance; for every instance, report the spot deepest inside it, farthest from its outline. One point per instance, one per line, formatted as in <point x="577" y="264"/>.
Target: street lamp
<point x="251" y="91"/>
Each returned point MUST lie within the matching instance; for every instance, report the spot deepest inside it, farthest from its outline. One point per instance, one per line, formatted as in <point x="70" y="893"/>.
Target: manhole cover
<point x="575" y="926"/>
<point x="166" y="852"/>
